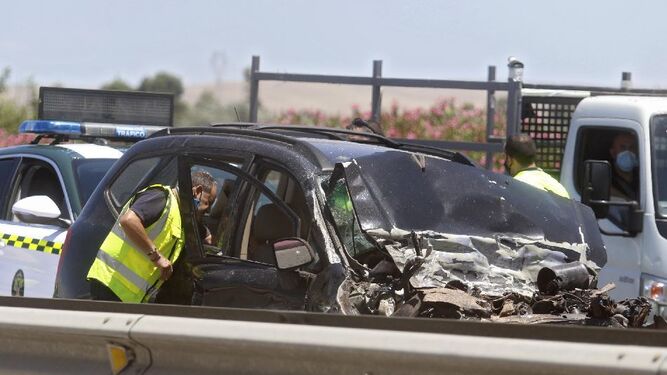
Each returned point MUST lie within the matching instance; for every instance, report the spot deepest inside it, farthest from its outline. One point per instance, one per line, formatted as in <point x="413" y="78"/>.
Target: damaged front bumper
<point x="434" y="275"/>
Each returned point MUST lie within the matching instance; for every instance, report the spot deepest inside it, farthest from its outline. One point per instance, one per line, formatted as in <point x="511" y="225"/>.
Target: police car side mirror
<point x="38" y="209"/>
<point x="292" y="253"/>
<point x="596" y="188"/>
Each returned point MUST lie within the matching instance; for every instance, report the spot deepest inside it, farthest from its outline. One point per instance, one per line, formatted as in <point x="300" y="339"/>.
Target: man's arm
<point x="135" y="232"/>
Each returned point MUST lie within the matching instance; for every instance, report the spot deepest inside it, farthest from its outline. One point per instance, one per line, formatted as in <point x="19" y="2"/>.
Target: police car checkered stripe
<point x="32" y="243"/>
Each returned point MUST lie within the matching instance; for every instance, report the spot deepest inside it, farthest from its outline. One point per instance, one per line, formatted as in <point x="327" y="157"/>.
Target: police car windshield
<point x="88" y="173"/>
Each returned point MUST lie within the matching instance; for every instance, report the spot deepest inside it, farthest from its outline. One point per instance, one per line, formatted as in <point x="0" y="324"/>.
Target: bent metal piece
<point x="566" y="276"/>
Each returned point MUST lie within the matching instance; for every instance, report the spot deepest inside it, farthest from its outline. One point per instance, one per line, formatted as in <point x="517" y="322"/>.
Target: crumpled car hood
<point x="398" y="189"/>
<point x="492" y="265"/>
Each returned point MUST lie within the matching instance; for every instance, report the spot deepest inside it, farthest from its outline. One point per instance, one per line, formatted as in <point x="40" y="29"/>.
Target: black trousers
<point x="100" y="292"/>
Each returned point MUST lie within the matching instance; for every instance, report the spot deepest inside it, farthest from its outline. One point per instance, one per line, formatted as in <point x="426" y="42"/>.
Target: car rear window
<point x="88" y="173"/>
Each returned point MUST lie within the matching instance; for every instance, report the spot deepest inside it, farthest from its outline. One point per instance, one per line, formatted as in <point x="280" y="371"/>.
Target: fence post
<point x="626" y="81"/>
<point x="515" y="82"/>
<point x="376" y="100"/>
<point x="254" y="89"/>
<point x="513" y="107"/>
<point x="490" y="114"/>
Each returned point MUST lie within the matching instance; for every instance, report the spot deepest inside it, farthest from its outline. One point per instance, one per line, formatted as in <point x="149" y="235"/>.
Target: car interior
<point x="37" y="178"/>
<point x="268" y="221"/>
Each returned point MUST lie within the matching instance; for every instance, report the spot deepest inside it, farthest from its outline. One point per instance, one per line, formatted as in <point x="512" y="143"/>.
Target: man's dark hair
<point x="204" y="179"/>
<point x="522" y="148"/>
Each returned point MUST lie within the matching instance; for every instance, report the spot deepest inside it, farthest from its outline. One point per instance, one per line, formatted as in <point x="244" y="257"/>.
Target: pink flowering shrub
<point x="444" y="120"/>
<point x="7" y="139"/>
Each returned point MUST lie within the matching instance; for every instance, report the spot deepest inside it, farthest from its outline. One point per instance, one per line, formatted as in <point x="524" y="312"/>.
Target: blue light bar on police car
<point x="88" y="130"/>
<point x="50" y="127"/>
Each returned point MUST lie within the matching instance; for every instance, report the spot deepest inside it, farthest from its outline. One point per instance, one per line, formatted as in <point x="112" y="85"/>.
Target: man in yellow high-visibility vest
<point x="520" y="154"/>
<point x="137" y="255"/>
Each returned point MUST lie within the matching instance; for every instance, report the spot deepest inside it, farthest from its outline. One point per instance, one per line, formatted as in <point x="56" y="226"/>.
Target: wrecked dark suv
<point x="333" y="221"/>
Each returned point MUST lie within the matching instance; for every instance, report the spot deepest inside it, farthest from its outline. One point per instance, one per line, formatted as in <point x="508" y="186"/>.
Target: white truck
<point x="628" y="193"/>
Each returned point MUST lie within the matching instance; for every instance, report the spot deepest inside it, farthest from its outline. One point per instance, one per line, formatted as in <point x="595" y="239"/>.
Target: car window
<point x="141" y="173"/>
<point x="285" y="187"/>
<point x="347" y="226"/>
<point x="245" y="218"/>
<point x="268" y="217"/>
<point x="37" y="177"/>
<point x="88" y="173"/>
<point x="659" y="162"/>
<point x="7" y="171"/>
<point x="267" y="221"/>
<point x="214" y="221"/>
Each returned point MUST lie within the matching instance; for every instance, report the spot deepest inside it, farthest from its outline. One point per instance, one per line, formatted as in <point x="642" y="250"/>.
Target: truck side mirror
<point x="292" y="253"/>
<point x="596" y="186"/>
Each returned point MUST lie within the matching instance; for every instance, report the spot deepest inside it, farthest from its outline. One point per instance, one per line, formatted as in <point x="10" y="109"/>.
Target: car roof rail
<point x="333" y="133"/>
<point x="330" y="133"/>
<point x="233" y="124"/>
<point x="227" y="129"/>
<point x="337" y="134"/>
<point x="247" y="131"/>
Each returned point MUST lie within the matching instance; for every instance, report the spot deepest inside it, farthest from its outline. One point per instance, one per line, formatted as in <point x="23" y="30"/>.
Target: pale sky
<point x="84" y="43"/>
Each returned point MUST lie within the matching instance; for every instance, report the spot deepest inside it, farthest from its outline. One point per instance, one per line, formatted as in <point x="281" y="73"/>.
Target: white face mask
<point x="626" y="161"/>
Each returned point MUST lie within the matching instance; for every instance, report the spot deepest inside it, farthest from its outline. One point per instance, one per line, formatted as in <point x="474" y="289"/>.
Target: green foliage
<point x="12" y="114"/>
<point x="208" y="109"/>
<point x="167" y="83"/>
<point x="117" y="84"/>
<point x="4" y="77"/>
<point x="163" y="82"/>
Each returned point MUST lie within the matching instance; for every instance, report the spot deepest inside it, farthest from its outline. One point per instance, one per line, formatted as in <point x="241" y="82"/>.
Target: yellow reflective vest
<point x="126" y="270"/>
<point x="541" y="180"/>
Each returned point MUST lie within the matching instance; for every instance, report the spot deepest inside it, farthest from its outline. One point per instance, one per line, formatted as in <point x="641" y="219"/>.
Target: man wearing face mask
<point x="624" y="159"/>
<point x="520" y="154"/>
<point x="137" y="256"/>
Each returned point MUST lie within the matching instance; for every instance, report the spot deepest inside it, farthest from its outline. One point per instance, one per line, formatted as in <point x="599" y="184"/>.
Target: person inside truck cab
<point x="138" y="254"/>
<point x="520" y="154"/>
<point x="623" y="152"/>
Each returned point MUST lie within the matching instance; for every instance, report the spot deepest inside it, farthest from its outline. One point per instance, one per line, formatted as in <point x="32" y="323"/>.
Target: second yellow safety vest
<point x="542" y="180"/>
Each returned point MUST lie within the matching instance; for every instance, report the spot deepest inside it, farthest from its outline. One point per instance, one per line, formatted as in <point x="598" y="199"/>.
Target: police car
<point x="43" y="187"/>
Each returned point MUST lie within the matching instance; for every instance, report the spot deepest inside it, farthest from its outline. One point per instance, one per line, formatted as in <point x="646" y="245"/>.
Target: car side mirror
<point x="39" y="209"/>
<point x="292" y="253"/>
<point x="596" y="188"/>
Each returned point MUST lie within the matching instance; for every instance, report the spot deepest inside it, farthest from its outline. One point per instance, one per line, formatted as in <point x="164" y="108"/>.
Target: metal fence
<point x="517" y="116"/>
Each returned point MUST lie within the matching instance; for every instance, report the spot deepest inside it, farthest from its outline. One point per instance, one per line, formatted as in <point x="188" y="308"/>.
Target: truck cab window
<point x="659" y="162"/>
<point x="620" y="148"/>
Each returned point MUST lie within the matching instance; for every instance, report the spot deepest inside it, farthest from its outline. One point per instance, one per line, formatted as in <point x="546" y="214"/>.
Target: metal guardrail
<point x="63" y="341"/>
<point x="65" y="336"/>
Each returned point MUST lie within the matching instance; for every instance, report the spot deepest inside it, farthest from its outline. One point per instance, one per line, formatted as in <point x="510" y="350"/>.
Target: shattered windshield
<point x="347" y="226"/>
